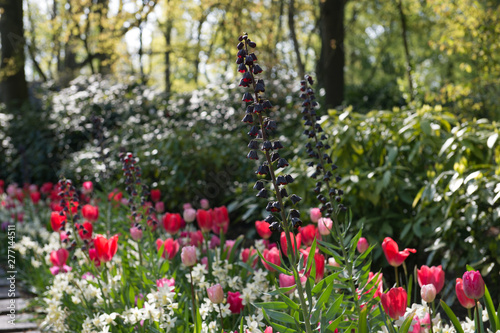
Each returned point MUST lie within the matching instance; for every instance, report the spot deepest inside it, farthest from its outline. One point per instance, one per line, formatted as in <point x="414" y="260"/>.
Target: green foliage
<point x="418" y="173"/>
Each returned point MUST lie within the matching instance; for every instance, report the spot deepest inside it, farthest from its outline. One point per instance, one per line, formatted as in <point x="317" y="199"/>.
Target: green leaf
<point x="478" y="320"/>
<point x="334" y="308"/>
<point x="453" y="318"/>
<point x="272" y="305"/>
<point x="310" y="257"/>
<point x="334" y="324"/>
<point x="407" y="322"/>
<point x="494" y="322"/>
<point x="418" y="196"/>
<point x="289" y="302"/>
<point x="280" y="316"/>
<point x="323" y="299"/>
<point x="363" y="322"/>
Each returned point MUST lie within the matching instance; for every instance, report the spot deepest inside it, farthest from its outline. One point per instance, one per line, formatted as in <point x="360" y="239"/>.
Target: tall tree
<point x="330" y="68"/>
<point x="13" y="86"/>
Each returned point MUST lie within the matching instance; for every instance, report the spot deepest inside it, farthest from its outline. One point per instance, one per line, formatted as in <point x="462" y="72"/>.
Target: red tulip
<point x="94" y="258"/>
<point x="56" y="220"/>
<point x="85" y="230"/>
<point x="88" y="187"/>
<point x="235" y="302"/>
<point x="35" y="197"/>
<point x="392" y="253"/>
<point x="90" y="212"/>
<point x="465" y="301"/>
<point x="220" y="219"/>
<point x="196" y="238"/>
<point x="46" y="188"/>
<point x="246" y="254"/>
<point x="263" y="230"/>
<point x="308" y="233"/>
<point x="431" y="275"/>
<point x="58" y="259"/>
<point x="473" y="285"/>
<point x="273" y="256"/>
<point x="295" y="241"/>
<point x="106" y="248"/>
<point x="171" y="247"/>
<point x="155" y="195"/>
<point x="394" y="302"/>
<point x="204" y="219"/>
<point x="172" y="223"/>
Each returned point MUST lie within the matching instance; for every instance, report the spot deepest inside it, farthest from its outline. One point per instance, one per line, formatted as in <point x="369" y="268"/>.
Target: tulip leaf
<point x="495" y="325"/>
<point x="405" y="327"/>
<point x="478" y="319"/>
<point x="279" y="291"/>
<point x="276" y="267"/>
<point x="289" y="302"/>
<point x="310" y="257"/>
<point x="320" y="285"/>
<point x="453" y="318"/>
<point x="363" y="322"/>
<point x="280" y="316"/>
<point x="309" y="294"/>
<point x="272" y="305"/>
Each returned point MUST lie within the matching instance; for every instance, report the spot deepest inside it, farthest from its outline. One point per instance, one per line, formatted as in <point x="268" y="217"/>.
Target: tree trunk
<point x="291" y="26"/>
<point x="407" y="49"/>
<point x="13" y="86"/>
<point x="330" y="68"/>
<point x="168" y="44"/>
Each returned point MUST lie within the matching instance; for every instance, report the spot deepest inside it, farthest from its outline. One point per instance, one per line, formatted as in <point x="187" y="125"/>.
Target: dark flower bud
<point x="254" y="57"/>
<point x="295" y="198"/>
<point x="258" y="108"/>
<point x="247" y="77"/>
<point x="248" y="119"/>
<point x="303" y="96"/>
<point x="306" y="132"/>
<point x="303" y="88"/>
<point x="283" y="193"/>
<point x="266" y="145"/>
<point x="302" y="82"/>
<point x="253" y="144"/>
<point x="257" y="69"/>
<point x="327" y="146"/>
<point x="282" y="163"/>
<point x="317" y="190"/>
<point x="338" y="199"/>
<point x="310" y="79"/>
<point x="326" y="177"/>
<point x="314" y="103"/>
<point x="275" y="226"/>
<point x="343" y="208"/>
<point x="253" y="131"/>
<point x="305" y="111"/>
<point x="325" y="156"/>
<point x="259" y="185"/>
<point x="332" y="192"/>
<point x="341" y="192"/>
<point x="240" y="38"/>
<point x="270" y="218"/>
<point x="338" y="179"/>
<point x="252" y="44"/>
<point x="249" y="109"/>
<point x="242" y="53"/>
<point x="280" y="180"/>
<point x="252" y="154"/>
<point x="276" y="207"/>
<point x="313" y="175"/>
<point x="267" y="105"/>
<point x="242" y="68"/>
<point x="294" y="213"/>
<point x="260" y="86"/>
<point x="289" y="179"/>
<point x="275" y="156"/>
<point x="262" y="170"/>
<point x="306" y="102"/>
<point x="271" y="125"/>
<point x="319" y="144"/>
<point x="319" y="184"/>
<point x="319" y="167"/>
<point x="247" y="97"/>
<point x="321" y="198"/>
<point x="240" y="45"/>
<point x="310" y="164"/>
<point x="277" y="145"/>
<point x="296" y="222"/>
<point x="308" y="122"/>
<point x="308" y="145"/>
<point x="249" y="60"/>
<point x="262" y="193"/>
<point x="310" y="152"/>
<point x="269" y="206"/>
<point x="334" y="167"/>
<point x="322" y="208"/>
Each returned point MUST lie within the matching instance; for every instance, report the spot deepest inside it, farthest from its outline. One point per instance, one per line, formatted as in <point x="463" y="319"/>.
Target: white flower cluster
<point x="56" y="314"/>
<point x="199" y="273"/>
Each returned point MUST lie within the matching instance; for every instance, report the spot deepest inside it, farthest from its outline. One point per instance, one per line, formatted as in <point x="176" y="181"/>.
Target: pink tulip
<point x="189" y="215"/>
<point x="428" y="292"/>
<point x="88" y="187"/>
<point x="188" y="256"/>
<point x="473" y="284"/>
<point x="362" y="245"/>
<point x="215" y="294"/>
<point x="465" y="301"/>
<point x="431" y="275"/>
<point x="204" y="204"/>
<point x="315" y="214"/>
<point x="394" y="302"/>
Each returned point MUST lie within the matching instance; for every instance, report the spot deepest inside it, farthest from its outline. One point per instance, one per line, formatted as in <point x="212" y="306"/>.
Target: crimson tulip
<point x="394" y="302"/>
<point x="362" y="245"/>
<point x="308" y="233"/>
<point x="392" y="253"/>
<point x="57" y="220"/>
<point x="295" y="242"/>
<point x="263" y="230"/>
<point x="170" y="247"/>
<point x="235" y="302"/>
<point x="88" y="187"/>
<point x="106" y="248"/>
<point x="431" y="275"/>
<point x="90" y="212"/>
<point x="204" y="219"/>
<point x="465" y="301"/>
<point x="155" y="195"/>
<point x="220" y="219"/>
<point x="172" y="223"/>
<point x="273" y="256"/>
<point x="35" y="197"/>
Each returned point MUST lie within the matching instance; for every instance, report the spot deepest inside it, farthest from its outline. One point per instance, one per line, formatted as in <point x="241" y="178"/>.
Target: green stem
<point x="221" y="319"/>
<point x="397" y="276"/>
<point x="193" y="309"/>
<point x="430" y="316"/>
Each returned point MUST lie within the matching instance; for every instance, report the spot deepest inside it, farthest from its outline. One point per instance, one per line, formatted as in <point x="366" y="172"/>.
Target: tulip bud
<point x="204" y="204"/>
<point x="324" y="226"/>
<point x="160" y="207"/>
<point x="332" y="262"/>
<point x="362" y="245"/>
<point x="428" y="293"/>
<point x="135" y="233"/>
<point x="189" y="215"/>
<point x="215" y="294"/>
<point x="188" y="256"/>
<point x="473" y="285"/>
<point x="315" y="214"/>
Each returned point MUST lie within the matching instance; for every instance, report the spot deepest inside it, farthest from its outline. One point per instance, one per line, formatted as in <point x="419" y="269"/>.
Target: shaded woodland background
<point x="409" y="90"/>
